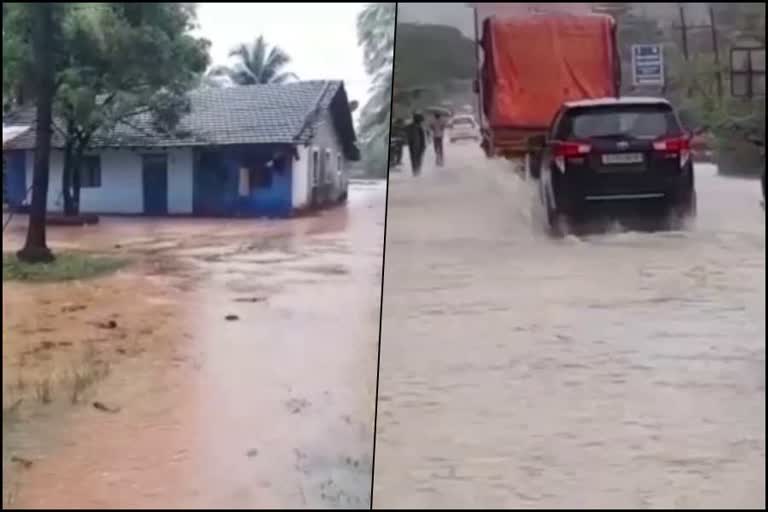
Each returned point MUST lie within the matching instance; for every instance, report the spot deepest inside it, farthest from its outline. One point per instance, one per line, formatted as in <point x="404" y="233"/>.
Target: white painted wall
<point x="180" y="180"/>
<point x="121" y="183"/>
<point x="326" y="137"/>
<point x="300" y="177"/>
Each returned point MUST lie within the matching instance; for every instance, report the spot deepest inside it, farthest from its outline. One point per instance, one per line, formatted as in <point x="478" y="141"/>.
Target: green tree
<point x="376" y="34"/>
<point x="256" y="63"/>
<point x="101" y="76"/>
<point x="109" y="81"/>
<point x="32" y="32"/>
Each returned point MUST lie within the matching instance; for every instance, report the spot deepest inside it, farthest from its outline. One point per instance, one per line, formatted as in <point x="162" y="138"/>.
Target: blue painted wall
<point x="15" y="176"/>
<point x="216" y="180"/>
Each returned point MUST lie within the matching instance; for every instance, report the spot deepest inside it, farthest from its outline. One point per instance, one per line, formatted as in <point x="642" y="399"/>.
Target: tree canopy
<point x="376" y="35"/>
<point x="107" y="62"/>
<point x="103" y="72"/>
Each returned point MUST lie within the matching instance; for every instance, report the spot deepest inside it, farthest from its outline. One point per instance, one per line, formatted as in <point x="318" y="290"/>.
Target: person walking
<point x="397" y="139"/>
<point x="416" y="142"/>
<point x="438" y="131"/>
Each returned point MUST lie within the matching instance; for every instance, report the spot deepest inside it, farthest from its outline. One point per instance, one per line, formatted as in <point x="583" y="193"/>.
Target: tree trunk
<point x="76" y="186"/>
<point x="78" y="162"/>
<point x="35" y="249"/>
<point x="66" y="180"/>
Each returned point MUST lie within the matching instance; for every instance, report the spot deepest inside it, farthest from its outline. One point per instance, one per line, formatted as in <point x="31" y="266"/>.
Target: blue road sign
<point x="647" y="64"/>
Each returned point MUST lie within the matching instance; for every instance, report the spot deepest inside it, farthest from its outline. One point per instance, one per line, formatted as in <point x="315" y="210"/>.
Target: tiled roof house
<point x="260" y="150"/>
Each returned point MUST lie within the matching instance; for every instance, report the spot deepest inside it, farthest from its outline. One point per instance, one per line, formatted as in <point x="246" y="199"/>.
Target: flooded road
<point x="622" y="369"/>
<point x="258" y="387"/>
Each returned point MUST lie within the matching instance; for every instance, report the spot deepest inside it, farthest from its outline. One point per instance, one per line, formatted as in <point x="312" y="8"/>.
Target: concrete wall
<point x="121" y="183"/>
<point x="326" y="137"/>
<point x="301" y="177"/>
<point x="218" y="187"/>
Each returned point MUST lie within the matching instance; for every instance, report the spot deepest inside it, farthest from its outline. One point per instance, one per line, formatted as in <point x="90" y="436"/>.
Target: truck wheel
<point x="535" y="166"/>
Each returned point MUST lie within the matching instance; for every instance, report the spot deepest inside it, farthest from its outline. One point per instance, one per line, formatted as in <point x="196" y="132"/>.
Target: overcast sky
<point x="321" y="38"/>
<point x="459" y="15"/>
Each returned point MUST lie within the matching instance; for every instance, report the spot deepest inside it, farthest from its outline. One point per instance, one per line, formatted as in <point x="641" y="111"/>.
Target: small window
<point x="339" y="163"/>
<point x="328" y="160"/>
<point x="90" y="172"/>
<point x="315" y="167"/>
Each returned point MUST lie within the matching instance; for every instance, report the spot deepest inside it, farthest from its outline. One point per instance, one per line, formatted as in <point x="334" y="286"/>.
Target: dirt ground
<point x="232" y="364"/>
<point x="622" y="368"/>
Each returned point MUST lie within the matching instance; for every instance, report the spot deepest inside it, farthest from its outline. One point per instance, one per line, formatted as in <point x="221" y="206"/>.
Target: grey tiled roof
<point x="254" y="114"/>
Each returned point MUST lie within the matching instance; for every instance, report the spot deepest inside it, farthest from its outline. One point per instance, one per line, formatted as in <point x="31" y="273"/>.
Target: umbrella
<point x="440" y="110"/>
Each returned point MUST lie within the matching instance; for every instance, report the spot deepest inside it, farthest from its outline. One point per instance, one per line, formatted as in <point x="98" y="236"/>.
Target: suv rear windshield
<point x="463" y="121"/>
<point x="622" y="121"/>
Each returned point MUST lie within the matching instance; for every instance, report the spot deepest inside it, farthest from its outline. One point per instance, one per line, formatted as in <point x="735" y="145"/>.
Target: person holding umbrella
<point x="417" y="142"/>
<point x="437" y="128"/>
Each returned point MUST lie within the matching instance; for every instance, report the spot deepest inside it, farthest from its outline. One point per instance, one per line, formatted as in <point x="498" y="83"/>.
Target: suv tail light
<point x="675" y="146"/>
<point x="564" y="150"/>
<point x="571" y="149"/>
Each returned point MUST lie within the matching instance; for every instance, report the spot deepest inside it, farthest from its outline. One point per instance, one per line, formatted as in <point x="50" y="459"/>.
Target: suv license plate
<point x="623" y="158"/>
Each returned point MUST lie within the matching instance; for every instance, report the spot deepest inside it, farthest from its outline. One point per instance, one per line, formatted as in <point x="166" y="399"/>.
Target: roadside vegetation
<point x="67" y="266"/>
<point x="698" y="76"/>
<point x="376" y="35"/>
<point x="31" y="393"/>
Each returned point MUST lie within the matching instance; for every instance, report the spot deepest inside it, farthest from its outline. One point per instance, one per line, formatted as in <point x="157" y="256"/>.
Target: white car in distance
<point x="463" y="127"/>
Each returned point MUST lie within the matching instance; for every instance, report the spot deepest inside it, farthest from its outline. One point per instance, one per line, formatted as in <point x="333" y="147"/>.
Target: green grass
<point x="66" y="267"/>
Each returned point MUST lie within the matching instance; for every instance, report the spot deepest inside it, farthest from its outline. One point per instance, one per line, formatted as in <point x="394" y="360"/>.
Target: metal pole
<point x="684" y="35"/>
<point x="716" y="50"/>
<point x="750" y="77"/>
<point x="478" y="77"/>
<point x="684" y="32"/>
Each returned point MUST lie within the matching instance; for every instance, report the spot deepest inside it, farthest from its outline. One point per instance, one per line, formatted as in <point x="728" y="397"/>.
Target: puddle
<point x="204" y="413"/>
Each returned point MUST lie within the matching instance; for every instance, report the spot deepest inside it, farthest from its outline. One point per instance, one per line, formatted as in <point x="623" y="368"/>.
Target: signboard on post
<point x="647" y="65"/>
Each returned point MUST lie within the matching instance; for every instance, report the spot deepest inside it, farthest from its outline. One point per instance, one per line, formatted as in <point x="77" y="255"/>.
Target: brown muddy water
<point x="272" y="407"/>
<point x="616" y="369"/>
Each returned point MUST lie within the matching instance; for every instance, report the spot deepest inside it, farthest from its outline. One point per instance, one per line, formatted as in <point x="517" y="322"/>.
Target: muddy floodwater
<point x="242" y="363"/>
<point x="612" y="369"/>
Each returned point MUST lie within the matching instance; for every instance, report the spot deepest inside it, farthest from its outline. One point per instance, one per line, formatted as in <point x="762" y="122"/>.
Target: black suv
<point x="614" y="149"/>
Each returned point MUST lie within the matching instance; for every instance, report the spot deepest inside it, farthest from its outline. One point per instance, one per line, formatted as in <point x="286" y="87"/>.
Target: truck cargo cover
<point x="533" y="64"/>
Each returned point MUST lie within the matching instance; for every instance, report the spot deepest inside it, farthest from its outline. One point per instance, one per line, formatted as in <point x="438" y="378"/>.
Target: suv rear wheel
<point x="683" y="205"/>
<point x="558" y="221"/>
<point x="682" y="208"/>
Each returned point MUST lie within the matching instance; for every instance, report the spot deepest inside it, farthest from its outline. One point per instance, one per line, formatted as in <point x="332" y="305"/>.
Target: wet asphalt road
<point x="617" y="369"/>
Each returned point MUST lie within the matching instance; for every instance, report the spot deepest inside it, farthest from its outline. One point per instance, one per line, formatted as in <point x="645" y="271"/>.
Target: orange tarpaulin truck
<point x="530" y="65"/>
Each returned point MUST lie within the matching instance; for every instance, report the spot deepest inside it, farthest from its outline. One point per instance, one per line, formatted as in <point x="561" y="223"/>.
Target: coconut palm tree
<point x="256" y="63"/>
